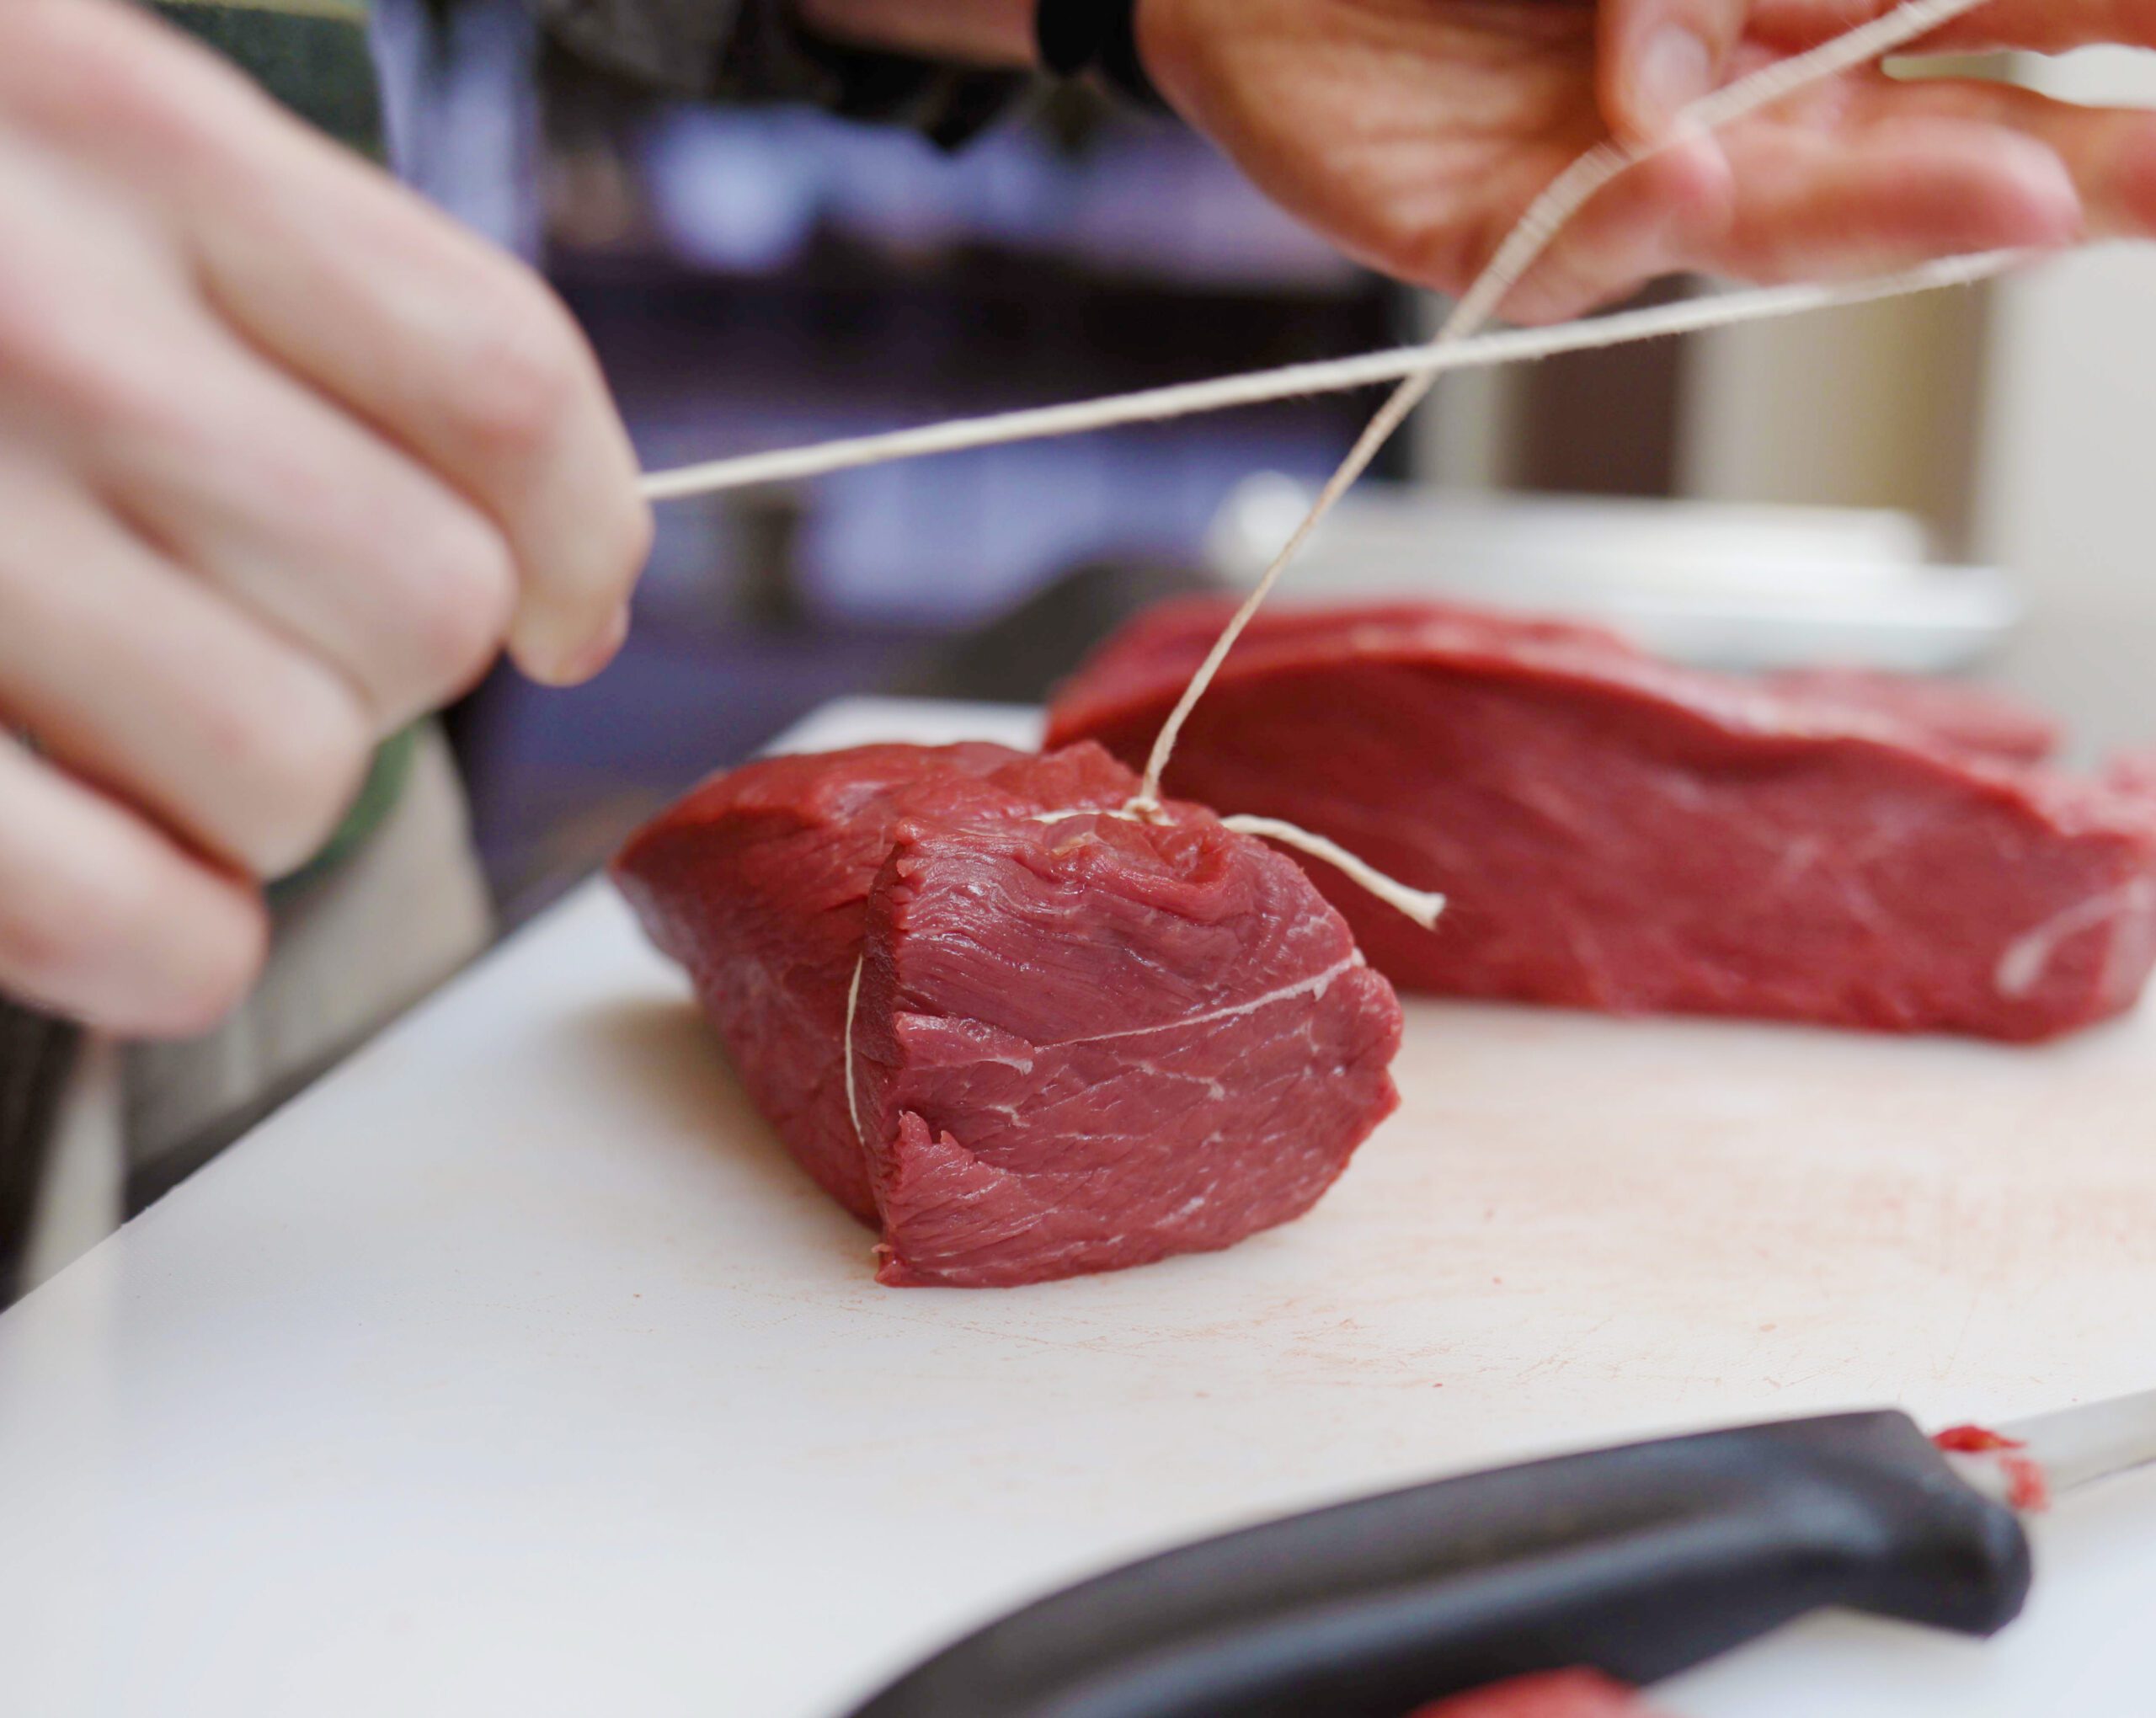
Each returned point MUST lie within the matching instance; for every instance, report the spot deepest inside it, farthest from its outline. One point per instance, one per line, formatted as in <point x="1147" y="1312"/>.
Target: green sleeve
<point x="312" y="54"/>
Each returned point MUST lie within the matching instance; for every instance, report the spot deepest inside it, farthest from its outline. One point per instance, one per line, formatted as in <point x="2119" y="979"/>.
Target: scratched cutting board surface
<point x="515" y="1369"/>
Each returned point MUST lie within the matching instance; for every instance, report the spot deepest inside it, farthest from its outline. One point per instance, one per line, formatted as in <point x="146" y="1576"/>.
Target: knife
<point x="1639" y="1562"/>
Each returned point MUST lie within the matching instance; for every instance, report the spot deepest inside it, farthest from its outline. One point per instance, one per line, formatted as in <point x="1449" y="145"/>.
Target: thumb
<point x="1656" y="56"/>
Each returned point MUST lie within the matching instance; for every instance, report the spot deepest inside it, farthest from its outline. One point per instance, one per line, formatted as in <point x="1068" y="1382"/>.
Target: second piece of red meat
<point x="1619" y="833"/>
<point x="1078" y="1041"/>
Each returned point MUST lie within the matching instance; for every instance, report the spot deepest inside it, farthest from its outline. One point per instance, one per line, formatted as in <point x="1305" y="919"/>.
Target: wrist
<point x="994" y="33"/>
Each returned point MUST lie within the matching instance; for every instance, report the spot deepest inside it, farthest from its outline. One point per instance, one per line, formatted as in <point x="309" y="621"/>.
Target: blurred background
<point x="1952" y="483"/>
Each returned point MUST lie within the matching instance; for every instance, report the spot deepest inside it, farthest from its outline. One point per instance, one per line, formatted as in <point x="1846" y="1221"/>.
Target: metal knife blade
<point x="2079" y="1446"/>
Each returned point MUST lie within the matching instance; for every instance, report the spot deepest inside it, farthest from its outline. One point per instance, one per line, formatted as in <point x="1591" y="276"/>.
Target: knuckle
<point x="522" y="374"/>
<point x="65" y="360"/>
<point x="1442" y="257"/>
<point x="57" y="351"/>
<point x="626" y="539"/>
<point x="464" y="589"/>
<point x="67" y="41"/>
<point x="135" y="938"/>
<point x="222" y="962"/>
<point x="297" y="754"/>
<point x="44" y="950"/>
<point x="191" y="946"/>
<point x="103" y="69"/>
<point x="128" y="405"/>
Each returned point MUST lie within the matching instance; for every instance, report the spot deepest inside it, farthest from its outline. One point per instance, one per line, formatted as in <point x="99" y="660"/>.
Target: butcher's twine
<point x="1158" y="405"/>
<point x="1454" y="347"/>
<point x="1459" y="344"/>
<point x="1545" y="218"/>
<point x="1418" y="905"/>
<point x="852" y="1004"/>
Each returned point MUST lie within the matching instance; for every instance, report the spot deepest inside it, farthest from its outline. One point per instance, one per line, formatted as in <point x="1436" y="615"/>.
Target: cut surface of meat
<point x="1022" y="1035"/>
<point x="1615" y="832"/>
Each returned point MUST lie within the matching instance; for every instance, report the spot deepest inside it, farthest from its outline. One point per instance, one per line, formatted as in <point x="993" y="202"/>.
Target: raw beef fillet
<point x="1616" y="832"/>
<point x="1080" y="1041"/>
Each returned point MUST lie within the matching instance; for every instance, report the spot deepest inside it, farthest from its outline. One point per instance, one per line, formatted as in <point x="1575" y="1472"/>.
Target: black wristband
<point x="1078" y="36"/>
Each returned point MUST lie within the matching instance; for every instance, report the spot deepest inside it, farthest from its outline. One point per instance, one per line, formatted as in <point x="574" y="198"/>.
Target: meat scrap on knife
<point x="1022" y="1034"/>
<point x="1558" y="1693"/>
<point x="1619" y="833"/>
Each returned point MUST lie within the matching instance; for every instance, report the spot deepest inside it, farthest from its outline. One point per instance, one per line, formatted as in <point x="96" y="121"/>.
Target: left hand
<point x="1413" y="133"/>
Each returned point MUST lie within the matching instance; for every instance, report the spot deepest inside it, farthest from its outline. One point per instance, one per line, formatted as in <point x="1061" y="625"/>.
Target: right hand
<point x="286" y="459"/>
<point x="1415" y="133"/>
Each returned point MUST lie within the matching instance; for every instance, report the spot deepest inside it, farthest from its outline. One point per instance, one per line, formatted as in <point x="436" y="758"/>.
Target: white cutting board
<point x="515" y="1370"/>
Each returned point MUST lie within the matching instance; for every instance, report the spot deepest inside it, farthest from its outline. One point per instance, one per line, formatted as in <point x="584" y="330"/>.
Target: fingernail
<point x="1675" y="69"/>
<point x="582" y="663"/>
<point x="602" y="649"/>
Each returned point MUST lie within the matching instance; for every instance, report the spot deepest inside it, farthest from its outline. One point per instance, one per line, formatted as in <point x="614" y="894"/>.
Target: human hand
<point x="285" y="458"/>
<point x="1413" y="134"/>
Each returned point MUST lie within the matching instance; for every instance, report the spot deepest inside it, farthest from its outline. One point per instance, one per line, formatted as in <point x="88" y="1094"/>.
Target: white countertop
<point x="514" y="1369"/>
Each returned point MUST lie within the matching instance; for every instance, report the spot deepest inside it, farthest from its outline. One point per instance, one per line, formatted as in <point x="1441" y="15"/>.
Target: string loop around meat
<point x="1418" y="905"/>
<point x="852" y="1004"/>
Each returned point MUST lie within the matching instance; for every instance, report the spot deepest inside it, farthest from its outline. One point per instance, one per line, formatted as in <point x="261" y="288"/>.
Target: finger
<point x="2041" y="26"/>
<point x="305" y="519"/>
<point x="294" y="510"/>
<point x="467" y="360"/>
<point x="1670" y="207"/>
<point x="1656" y="57"/>
<point x="134" y="677"/>
<point x="1810" y="206"/>
<point x="106" y="920"/>
<point x="2111" y="152"/>
<point x="450" y="348"/>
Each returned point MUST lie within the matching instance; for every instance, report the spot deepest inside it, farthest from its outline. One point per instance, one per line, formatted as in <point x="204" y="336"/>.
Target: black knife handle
<point x="1639" y="1562"/>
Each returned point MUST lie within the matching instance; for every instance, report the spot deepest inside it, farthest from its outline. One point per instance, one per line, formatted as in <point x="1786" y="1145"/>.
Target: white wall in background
<point x="1467" y="435"/>
<point x="2066" y="479"/>
<point x="2020" y="420"/>
<point x="1867" y="407"/>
